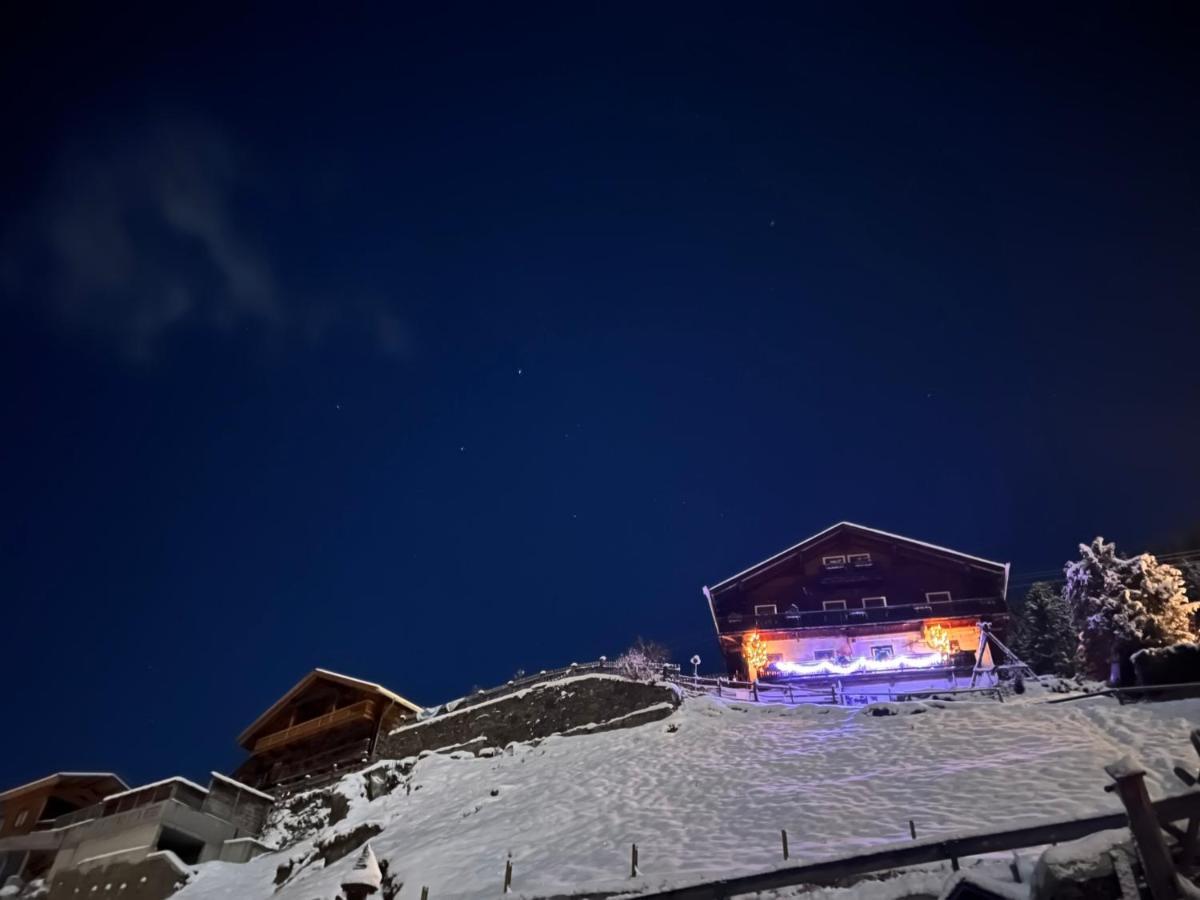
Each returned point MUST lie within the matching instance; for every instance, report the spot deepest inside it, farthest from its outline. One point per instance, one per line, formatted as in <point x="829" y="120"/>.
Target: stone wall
<point x="580" y="705"/>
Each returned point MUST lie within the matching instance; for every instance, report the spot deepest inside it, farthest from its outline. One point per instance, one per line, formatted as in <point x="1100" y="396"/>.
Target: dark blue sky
<point x="429" y="347"/>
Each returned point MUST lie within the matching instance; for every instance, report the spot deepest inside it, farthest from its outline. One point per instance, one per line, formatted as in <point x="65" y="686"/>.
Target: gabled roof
<point x="74" y="779"/>
<point x="323" y="675"/>
<point x="841" y="526"/>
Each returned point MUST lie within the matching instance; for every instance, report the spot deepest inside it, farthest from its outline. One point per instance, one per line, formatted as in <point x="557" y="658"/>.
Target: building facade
<point x="856" y="601"/>
<point x="144" y="837"/>
<point x="326" y="724"/>
<point x="34" y="807"/>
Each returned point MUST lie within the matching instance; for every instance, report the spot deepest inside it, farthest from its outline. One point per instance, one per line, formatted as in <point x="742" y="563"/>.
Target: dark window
<point x="823" y="654"/>
<point x="765" y="609"/>
<point x="834" y="562"/>
<point x="874" y="602"/>
<point x="186" y="847"/>
<point x="882" y="651"/>
<point x="834" y="604"/>
<point x="937" y="597"/>
<point x="859" y="560"/>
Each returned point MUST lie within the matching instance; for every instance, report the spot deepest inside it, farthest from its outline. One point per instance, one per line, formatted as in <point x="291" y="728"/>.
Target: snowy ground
<point x="706" y="791"/>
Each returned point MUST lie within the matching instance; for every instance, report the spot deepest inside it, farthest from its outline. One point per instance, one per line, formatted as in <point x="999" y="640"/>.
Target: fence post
<point x="633" y="861"/>
<point x="425" y="893"/>
<point x="912" y="829"/>
<point x="508" y="876"/>
<point x="754" y="691"/>
<point x="1152" y="847"/>
<point x="783" y="835"/>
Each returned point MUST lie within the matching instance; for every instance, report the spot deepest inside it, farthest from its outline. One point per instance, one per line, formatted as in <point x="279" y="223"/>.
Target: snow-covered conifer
<point x="1123" y="605"/>
<point x="1045" y="637"/>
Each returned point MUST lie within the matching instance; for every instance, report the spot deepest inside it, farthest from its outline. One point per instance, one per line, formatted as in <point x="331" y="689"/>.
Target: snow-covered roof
<point x="177" y="779"/>
<point x="308" y="679"/>
<point x="242" y="787"/>
<point x="875" y="531"/>
<point x="59" y="777"/>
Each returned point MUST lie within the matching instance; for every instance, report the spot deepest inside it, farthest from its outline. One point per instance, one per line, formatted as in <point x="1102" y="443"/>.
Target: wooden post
<point x="783" y="835"/>
<point x="912" y="829"/>
<point x="754" y="691"/>
<point x="508" y="876"/>
<point x="1015" y="868"/>
<point x="633" y="864"/>
<point x="1158" y="868"/>
<point x="425" y="893"/>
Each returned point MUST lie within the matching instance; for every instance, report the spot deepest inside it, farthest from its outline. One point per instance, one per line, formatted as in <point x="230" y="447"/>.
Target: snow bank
<point x="706" y="790"/>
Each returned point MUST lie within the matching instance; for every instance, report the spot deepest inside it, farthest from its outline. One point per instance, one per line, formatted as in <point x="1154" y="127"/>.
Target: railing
<point x="832" y="618"/>
<point x="835" y="871"/>
<point x="524" y="681"/>
<point x="79" y="815"/>
<point x="313" y="771"/>
<point x="364" y="710"/>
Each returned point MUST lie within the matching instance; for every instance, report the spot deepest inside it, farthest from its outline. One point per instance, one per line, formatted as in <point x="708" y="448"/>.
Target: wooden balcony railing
<point x="974" y="606"/>
<point x="363" y="711"/>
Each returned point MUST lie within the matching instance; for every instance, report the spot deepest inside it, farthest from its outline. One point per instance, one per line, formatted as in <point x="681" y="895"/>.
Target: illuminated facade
<point x="853" y="601"/>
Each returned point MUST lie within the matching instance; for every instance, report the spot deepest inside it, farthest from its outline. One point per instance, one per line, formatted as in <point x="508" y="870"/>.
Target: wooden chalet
<point x="33" y="807"/>
<point x="325" y="724"/>
<point x="852" y="600"/>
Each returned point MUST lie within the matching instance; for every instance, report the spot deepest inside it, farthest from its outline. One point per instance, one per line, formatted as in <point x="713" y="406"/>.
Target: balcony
<point x="834" y="618"/>
<point x="363" y="711"/>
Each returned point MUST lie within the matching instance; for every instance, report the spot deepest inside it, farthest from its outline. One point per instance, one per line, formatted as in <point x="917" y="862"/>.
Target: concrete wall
<point x="246" y="811"/>
<point x="134" y="841"/>
<point x="153" y="878"/>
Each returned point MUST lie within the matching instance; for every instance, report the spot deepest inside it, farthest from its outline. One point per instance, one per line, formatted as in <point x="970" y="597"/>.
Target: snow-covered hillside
<point x="707" y="789"/>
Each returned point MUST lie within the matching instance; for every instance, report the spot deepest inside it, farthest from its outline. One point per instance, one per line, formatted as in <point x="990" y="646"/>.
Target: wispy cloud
<point x="136" y="238"/>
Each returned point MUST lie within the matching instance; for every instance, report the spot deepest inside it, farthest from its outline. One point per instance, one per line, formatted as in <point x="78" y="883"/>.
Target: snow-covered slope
<point x="707" y="790"/>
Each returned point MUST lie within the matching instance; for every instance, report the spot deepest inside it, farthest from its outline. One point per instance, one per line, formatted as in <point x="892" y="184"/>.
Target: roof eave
<point x="844" y="524"/>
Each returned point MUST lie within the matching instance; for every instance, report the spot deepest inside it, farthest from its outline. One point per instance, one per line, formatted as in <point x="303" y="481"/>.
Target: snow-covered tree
<point x="1045" y="637"/>
<point x="643" y="661"/>
<point x="1122" y="605"/>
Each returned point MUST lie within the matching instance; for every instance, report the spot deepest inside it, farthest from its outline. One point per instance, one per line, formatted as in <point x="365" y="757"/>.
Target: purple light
<point x="861" y="664"/>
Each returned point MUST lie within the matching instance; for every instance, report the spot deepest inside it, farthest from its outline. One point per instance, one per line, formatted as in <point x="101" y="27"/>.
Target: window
<point x="834" y="562"/>
<point x="765" y="609"/>
<point x="834" y="604"/>
<point x="937" y="596"/>
<point x="874" y="602"/>
<point x="20" y="819"/>
<point x="773" y="658"/>
<point x="792" y="612"/>
<point x="882" y="651"/>
<point x="822" y="654"/>
<point x="859" y="560"/>
<point x="734" y="618"/>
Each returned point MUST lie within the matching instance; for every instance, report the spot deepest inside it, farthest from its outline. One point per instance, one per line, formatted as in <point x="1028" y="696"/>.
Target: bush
<point x="1177" y="664"/>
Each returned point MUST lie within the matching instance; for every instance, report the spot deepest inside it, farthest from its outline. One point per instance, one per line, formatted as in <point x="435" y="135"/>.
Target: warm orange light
<point x="754" y="650"/>
<point x="937" y="637"/>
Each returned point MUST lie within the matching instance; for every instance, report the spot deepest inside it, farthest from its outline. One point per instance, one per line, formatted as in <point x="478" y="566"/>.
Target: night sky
<point x="429" y="347"/>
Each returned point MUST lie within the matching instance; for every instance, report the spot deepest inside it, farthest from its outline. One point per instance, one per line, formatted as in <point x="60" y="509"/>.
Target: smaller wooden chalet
<point x="852" y="600"/>
<point x="325" y="724"/>
<point x="33" y="807"/>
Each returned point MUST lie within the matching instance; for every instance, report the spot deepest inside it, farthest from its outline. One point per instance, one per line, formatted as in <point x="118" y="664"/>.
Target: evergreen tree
<point x="1121" y="605"/>
<point x="1045" y="636"/>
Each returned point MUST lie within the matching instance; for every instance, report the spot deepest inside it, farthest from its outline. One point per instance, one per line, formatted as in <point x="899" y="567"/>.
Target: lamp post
<point x="695" y="668"/>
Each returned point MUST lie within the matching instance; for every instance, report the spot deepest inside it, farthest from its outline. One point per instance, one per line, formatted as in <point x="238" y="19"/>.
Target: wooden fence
<point x="827" y="872"/>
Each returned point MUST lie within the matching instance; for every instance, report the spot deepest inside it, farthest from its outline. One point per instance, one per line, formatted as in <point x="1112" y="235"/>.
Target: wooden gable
<point x="321" y="694"/>
<point x="849" y="562"/>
